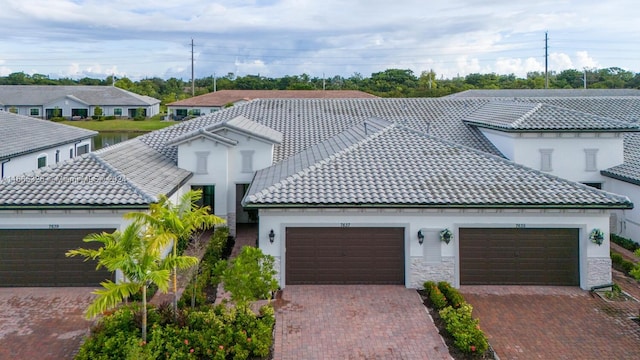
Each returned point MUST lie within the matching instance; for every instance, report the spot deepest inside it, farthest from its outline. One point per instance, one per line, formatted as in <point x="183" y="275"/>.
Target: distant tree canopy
<point x="387" y="83"/>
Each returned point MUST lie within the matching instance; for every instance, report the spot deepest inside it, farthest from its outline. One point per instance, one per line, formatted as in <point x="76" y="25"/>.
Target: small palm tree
<point x="138" y="254"/>
<point x="174" y="223"/>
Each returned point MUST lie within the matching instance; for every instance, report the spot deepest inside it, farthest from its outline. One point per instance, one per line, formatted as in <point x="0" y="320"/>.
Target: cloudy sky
<point x="147" y="38"/>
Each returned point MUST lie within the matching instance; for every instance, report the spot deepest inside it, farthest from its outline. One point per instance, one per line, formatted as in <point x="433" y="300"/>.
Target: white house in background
<point x="218" y="100"/>
<point x="348" y="191"/>
<point x="27" y="144"/>
<point x="75" y="102"/>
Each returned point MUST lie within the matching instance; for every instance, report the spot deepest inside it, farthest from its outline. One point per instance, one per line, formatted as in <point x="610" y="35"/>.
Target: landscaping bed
<point x="452" y="317"/>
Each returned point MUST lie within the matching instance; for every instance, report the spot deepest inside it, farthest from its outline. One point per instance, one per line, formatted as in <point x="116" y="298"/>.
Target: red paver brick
<point x="354" y="322"/>
<point x="554" y="323"/>
<point x="43" y="323"/>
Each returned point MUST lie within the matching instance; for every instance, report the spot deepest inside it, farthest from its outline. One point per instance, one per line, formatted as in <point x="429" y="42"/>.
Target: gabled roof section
<point x="629" y="171"/>
<point x="128" y="175"/>
<point x="511" y="116"/>
<point x="397" y="166"/>
<point x="21" y="135"/>
<point x="246" y="126"/>
<point x="92" y="95"/>
<point x="202" y="134"/>
<point x="224" y="97"/>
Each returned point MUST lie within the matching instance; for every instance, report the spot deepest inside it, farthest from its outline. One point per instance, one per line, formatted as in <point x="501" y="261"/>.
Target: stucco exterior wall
<point x="29" y="162"/>
<point x="626" y="223"/>
<point x="417" y="269"/>
<point x="568" y="159"/>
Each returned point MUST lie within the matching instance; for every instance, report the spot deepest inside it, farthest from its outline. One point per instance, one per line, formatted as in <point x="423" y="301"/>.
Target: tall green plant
<point x="177" y="223"/>
<point x="138" y="254"/>
<point x="250" y="276"/>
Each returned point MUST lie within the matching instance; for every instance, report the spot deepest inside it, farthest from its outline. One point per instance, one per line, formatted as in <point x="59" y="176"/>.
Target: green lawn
<point x="120" y="125"/>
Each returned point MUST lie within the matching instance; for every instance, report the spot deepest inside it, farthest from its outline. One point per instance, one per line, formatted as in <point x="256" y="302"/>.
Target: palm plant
<point x="137" y="252"/>
<point x="174" y="223"/>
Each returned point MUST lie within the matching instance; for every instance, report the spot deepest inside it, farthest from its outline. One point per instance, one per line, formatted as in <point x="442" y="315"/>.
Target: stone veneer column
<point x="422" y="271"/>
<point x="598" y="271"/>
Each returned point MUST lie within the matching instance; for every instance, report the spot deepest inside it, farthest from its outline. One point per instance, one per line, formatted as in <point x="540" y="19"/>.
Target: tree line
<point x="387" y="83"/>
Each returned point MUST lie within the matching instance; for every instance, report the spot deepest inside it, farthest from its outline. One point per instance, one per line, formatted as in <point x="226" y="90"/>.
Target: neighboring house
<point x="602" y="169"/>
<point x="75" y="102"/>
<point x="356" y="190"/>
<point x="218" y="100"/>
<point x="27" y="144"/>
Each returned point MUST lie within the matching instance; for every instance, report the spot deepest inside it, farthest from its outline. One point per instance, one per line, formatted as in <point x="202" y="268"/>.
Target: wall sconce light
<point x="420" y="237"/>
<point x="272" y="236"/>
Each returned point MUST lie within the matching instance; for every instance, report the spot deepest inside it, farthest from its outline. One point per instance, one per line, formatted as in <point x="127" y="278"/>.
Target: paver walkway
<point x="354" y="322"/>
<point x="42" y="323"/>
<point x="554" y="323"/>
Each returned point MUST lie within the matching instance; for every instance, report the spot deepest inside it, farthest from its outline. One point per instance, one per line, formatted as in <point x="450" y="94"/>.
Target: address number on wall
<point x="345" y="225"/>
<point x="521" y="226"/>
<point x="54" y="226"/>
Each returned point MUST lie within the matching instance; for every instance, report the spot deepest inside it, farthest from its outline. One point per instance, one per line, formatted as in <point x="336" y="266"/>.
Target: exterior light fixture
<point x="272" y="236"/>
<point x="420" y="237"/>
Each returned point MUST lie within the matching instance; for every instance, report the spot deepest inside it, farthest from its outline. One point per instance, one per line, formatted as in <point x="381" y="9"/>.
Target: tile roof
<point x="129" y="175"/>
<point x="92" y="95"/>
<point x="22" y="134"/>
<point x="224" y="97"/>
<point x="511" y="93"/>
<point x="529" y="116"/>
<point x="247" y="126"/>
<point x="398" y="166"/>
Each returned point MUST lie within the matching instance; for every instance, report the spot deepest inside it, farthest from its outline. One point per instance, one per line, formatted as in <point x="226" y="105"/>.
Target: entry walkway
<point x="354" y="322"/>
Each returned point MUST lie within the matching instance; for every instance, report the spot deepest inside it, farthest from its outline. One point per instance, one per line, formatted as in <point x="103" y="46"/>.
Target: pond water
<point x="104" y="139"/>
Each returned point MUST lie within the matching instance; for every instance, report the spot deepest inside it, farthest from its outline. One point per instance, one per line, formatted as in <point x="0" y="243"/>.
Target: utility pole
<point x="193" y="81"/>
<point x="546" y="60"/>
<point x="214" y="82"/>
<point x="584" y="78"/>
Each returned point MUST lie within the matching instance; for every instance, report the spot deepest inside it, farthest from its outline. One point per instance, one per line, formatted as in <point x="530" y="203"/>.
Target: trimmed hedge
<point x="456" y="314"/>
<point x="624" y="242"/>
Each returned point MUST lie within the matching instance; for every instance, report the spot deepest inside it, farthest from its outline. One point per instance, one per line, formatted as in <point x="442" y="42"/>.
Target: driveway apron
<point x="42" y="323"/>
<point x="354" y="322"/>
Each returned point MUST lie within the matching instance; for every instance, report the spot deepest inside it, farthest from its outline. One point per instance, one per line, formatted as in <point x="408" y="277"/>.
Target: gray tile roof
<point x="529" y="93"/>
<point x="22" y="134"/>
<point x="529" y="116"/>
<point x="126" y="175"/>
<point x="398" y="166"/>
<point x="22" y="95"/>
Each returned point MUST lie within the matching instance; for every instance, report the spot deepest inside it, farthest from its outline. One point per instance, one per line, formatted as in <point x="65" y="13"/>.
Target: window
<point x="117" y="112"/>
<point x="208" y="196"/>
<point x="545" y="159"/>
<point x="591" y="156"/>
<point x="431" y="245"/>
<point x="195" y="112"/>
<point x="57" y="156"/>
<point x="247" y="160"/>
<point x="42" y="161"/>
<point x="82" y="149"/>
<point x="201" y="162"/>
<point x="71" y="153"/>
<point x="34" y="112"/>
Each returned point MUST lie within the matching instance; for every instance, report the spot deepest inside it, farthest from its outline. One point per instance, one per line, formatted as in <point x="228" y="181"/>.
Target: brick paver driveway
<point x="42" y="323"/>
<point x="354" y="322"/>
<point x="554" y="323"/>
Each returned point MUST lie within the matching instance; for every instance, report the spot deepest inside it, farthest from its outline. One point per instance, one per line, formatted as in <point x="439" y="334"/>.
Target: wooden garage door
<point x="37" y="258"/>
<point x="344" y="256"/>
<point x="519" y="256"/>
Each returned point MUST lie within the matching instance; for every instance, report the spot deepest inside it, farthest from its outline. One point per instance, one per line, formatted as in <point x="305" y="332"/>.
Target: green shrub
<point x="454" y="298"/>
<point x="624" y="242"/>
<point x="621" y="264"/>
<point x="465" y="330"/>
<point x="438" y="299"/>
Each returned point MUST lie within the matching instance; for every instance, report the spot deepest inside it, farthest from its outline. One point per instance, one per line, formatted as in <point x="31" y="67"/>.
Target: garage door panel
<point x="519" y="256"/>
<point x="31" y="257"/>
<point x="344" y="256"/>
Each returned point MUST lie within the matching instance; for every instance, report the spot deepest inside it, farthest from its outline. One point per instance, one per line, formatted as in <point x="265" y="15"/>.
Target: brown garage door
<point x="344" y="256"/>
<point x="519" y="256"/>
<point x="37" y="258"/>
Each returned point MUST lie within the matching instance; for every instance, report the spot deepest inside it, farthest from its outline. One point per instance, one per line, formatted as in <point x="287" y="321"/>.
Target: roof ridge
<point x="121" y="176"/>
<point x="325" y="161"/>
<point x="526" y="115"/>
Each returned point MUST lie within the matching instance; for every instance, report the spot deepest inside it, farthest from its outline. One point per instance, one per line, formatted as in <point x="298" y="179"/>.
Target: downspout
<point x="2" y="167"/>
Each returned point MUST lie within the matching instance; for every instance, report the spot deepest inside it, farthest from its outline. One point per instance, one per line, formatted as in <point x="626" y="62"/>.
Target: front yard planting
<point x="452" y="315"/>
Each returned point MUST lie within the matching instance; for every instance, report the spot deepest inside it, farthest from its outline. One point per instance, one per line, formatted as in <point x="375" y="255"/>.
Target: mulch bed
<point x="448" y="339"/>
